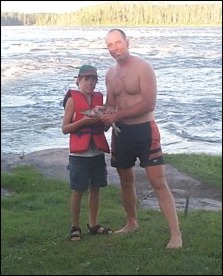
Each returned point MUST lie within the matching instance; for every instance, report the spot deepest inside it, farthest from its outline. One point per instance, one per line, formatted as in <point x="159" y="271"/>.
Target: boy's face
<point x="87" y="83"/>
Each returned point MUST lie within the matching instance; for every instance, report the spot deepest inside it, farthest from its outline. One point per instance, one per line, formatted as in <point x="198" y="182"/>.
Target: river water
<point x="38" y="65"/>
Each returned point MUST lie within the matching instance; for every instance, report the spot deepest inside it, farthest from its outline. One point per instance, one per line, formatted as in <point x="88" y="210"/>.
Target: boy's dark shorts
<point x="87" y="171"/>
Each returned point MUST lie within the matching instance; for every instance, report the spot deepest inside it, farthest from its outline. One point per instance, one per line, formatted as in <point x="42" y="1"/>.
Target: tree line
<point x="124" y="14"/>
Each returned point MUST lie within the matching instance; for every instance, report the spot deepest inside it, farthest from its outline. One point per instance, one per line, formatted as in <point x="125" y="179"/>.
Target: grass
<point x="206" y="168"/>
<point x="36" y="222"/>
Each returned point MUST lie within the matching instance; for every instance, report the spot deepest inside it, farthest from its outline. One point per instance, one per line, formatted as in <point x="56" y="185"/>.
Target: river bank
<point x="53" y="163"/>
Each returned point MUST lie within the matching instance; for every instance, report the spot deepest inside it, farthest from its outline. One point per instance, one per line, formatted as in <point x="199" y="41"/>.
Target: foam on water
<point x="38" y="68"/>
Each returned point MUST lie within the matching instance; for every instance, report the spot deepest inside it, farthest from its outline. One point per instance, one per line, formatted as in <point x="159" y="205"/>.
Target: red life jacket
<point x="81" y="138"/>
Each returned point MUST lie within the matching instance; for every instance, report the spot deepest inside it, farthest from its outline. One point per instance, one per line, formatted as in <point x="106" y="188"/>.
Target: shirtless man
<point x="132" y="91"/>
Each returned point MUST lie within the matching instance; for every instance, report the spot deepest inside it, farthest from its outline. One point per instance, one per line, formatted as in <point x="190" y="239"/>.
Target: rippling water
<point x="38" y="65"/>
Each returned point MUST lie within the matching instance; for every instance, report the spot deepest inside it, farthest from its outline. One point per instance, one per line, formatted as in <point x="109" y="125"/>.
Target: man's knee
<point x="158" y="183"/>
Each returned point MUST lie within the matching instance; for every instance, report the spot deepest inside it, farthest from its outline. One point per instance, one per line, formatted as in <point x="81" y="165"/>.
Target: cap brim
<point x="88" y="74"/>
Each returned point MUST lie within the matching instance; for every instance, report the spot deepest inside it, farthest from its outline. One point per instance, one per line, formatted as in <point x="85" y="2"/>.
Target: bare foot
<point x="127" y="229"/>
<point x="175" y="242"/>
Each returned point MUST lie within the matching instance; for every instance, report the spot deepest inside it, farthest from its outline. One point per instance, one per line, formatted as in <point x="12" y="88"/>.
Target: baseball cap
<point x="87" y="70"/>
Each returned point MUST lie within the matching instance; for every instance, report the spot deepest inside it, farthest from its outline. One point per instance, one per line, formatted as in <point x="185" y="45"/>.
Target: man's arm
<point x="110" y="99"/>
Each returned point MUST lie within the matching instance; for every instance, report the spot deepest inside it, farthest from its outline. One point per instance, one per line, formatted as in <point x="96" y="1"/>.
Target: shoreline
<point x="53" y="163"/>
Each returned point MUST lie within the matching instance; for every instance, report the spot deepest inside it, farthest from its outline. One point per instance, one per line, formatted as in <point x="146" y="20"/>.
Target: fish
<point x="93" y="112"/>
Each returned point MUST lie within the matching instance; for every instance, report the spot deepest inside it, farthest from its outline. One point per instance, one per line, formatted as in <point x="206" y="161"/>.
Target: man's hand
<point x="108" y="118"/>
<point x="104" y="109"/>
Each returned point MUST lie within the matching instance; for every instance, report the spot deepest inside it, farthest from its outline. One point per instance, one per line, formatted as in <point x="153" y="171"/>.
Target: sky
<point x="46" y="6"/>
<point x="63" y="6"/>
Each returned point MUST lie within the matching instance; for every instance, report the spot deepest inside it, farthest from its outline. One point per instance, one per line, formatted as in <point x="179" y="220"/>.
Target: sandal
<point x="98" y="230"/>
<point x="75" y="234"/>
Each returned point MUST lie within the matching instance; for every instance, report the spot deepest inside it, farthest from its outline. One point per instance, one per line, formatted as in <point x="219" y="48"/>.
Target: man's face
<point x="117" y="45"/>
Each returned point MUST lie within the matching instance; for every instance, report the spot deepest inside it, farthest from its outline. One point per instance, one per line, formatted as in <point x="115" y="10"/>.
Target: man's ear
<point x="127" y="42"/>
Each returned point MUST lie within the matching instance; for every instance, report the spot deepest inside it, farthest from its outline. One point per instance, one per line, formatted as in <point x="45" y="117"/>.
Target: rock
<point x="53" y="163"/>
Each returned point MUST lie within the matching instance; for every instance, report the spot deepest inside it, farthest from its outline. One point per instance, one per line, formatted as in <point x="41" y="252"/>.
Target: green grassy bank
<point x="36" y="220"/>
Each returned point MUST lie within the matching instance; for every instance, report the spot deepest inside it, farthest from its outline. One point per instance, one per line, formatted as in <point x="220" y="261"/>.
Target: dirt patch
<point x="53" y="163"/>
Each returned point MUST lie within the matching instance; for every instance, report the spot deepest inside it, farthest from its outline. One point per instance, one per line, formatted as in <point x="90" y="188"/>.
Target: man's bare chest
<point x="124" y="82"/>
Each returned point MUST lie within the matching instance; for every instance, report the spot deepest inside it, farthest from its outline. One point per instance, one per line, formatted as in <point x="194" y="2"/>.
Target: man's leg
<point x="129" y="199"/>
<point x="157" y="178"/>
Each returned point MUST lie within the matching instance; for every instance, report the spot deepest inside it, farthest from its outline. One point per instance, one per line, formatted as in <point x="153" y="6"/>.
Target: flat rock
<point x="53" y="163"/>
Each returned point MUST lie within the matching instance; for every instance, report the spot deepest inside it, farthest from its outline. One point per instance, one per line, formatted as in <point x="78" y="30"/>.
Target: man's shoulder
<point x="110" y="71"/>
<point x="112" y="68"/>
<point x="144" y="64"/>
<point x="140" y="60"/>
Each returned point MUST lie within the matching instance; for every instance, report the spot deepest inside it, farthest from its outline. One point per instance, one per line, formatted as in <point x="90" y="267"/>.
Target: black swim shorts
<point x="136" y="141"/>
